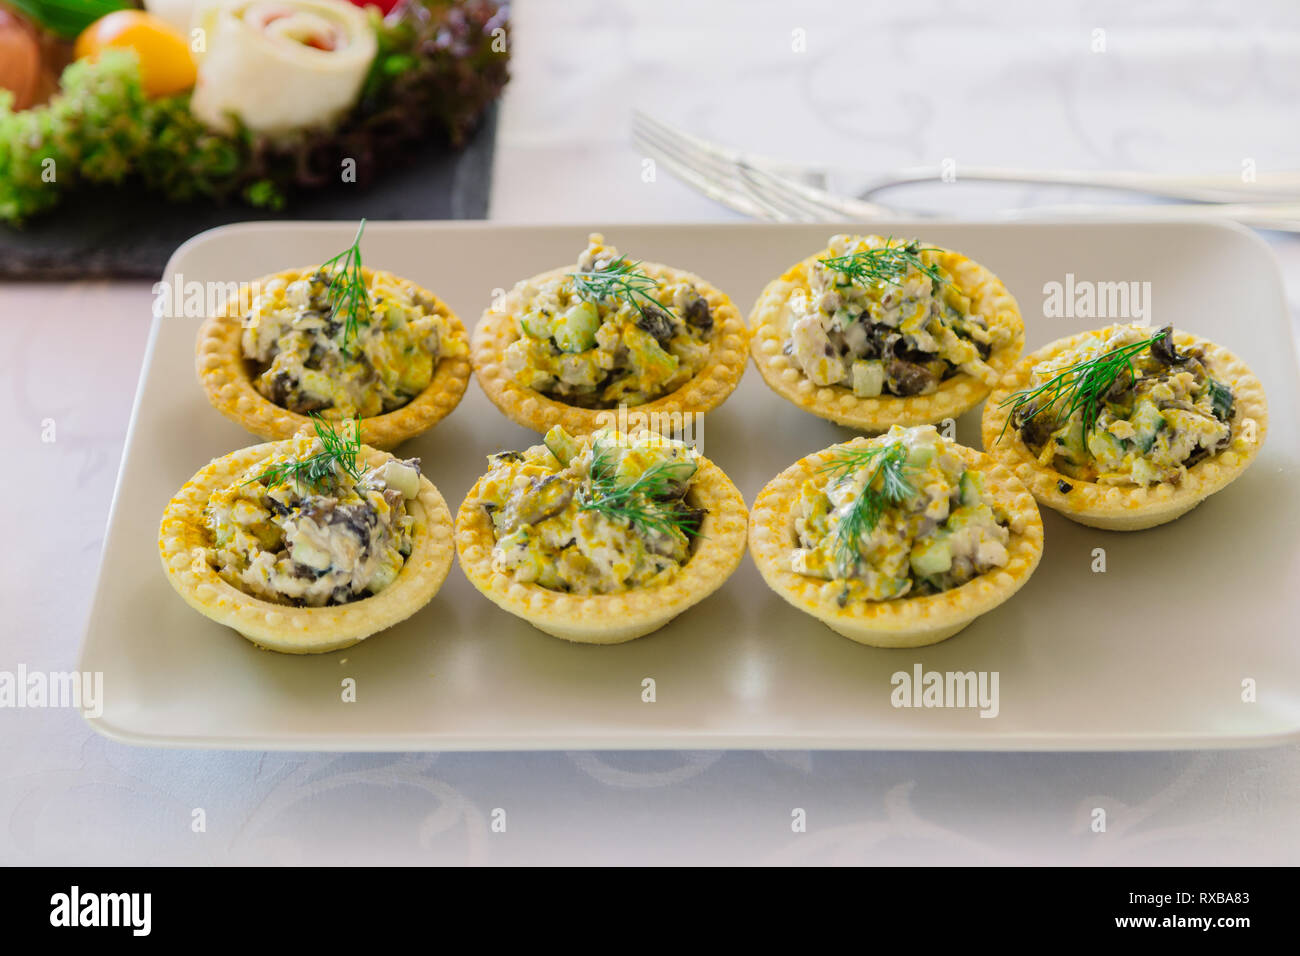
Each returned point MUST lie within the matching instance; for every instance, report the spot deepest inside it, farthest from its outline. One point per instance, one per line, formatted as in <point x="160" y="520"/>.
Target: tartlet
<point x="536" y="537"/>
<point x="697" y="340"/>
<point x="1143" y="487"/>
<point x="231" y="379"/>
<point x="864" y="353"/>
<point x="790" y="547"/>
<point x="190" y="557"/>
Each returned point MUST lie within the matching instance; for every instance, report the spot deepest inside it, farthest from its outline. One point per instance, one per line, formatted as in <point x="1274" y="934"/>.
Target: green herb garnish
<point x="67" y="18"/>
<point x="888" y="264"/>
<point x="1082" y="386"/>
<point x="348" y="295"/>
<point x="621" y="280"/>
<point x="640" y="503"/>
<point x="316" y="470"/>
<point x="886" y="485"/>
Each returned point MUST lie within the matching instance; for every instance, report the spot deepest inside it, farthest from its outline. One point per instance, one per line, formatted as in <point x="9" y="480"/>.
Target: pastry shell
<point x="906" y="621"/>
<point x="1131" y="508"/>
<point x="837" y="403"/>
<point x="614" y="618"/>
<point x="182" y="544"/>
<point x="224" y="374"/>
<point x="709" y="388"/>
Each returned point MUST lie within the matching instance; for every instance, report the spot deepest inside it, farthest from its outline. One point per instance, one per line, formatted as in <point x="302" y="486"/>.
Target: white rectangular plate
<point x="1152" y="653"/>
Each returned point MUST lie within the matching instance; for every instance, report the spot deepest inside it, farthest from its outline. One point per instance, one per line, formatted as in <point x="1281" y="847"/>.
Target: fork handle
<point x="1271" y="186"/>
<point x="1283" y="217"/>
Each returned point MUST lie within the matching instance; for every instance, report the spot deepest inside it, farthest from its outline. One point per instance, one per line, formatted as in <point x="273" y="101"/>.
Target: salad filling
<point x="362" y="351"/>
<point x="592" y="515"/>
<point x="884" y="317"/>
<point x="1124" y="407"/>
<point x="309" y="528"/>
<point x="609" y="333"/>
<point x="901" y="516"/>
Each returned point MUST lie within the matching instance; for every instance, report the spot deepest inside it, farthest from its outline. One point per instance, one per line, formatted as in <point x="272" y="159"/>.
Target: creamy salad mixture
<point x="883" y="323"/>
<point x="306" y="358"/>
<point x="1164" y="412"/>
<point x="611" y="335"/>
<point x="592" y="515"/>
<point x="335" y="539"/>
<point x="934" y="525"/>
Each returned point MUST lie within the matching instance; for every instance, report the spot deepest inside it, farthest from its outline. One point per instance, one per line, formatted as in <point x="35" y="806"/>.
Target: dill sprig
<point x="640" y="503"/>
<point x="620" y="280"/>
<point x="349" y="298"/>
<point x="888" y="264"/>
<point x="1081" y="386"/>
<point x="886" y="485"/>
<point x="316" y="470"/>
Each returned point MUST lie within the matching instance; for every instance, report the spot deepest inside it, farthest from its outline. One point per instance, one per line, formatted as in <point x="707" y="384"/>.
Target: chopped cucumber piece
<point x="649" y="356"/>
<point x="576" y="331"/>
<point x="1146" y="422"/>
<point x="1221" y="400"/>
<point x="1105" y="447"/>
<point x="1069" y="443"/>
<point x="868" y="378"/>
<point x="920" y="456"/>
<point x="561" y="444"/>
<point x="931" y="556"/>
<point x="971" y="488"/>
<point x="536" y="325"/>
<point x="673" y="465"/>
<point x="969" y="515"/>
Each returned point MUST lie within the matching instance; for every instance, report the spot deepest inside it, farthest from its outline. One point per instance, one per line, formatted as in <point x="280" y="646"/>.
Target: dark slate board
<point x="130" y="234"/>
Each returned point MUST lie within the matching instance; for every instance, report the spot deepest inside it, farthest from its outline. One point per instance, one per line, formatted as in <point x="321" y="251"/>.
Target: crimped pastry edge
<point x="902" y="622"/>
<point x="1121" y="508"/>
<point x="836" y="403"/>
<point x="223" y="373"/>
<point x="708" y="389"/>
<point x="614" y="618"/>
<point x="298" y="630"/>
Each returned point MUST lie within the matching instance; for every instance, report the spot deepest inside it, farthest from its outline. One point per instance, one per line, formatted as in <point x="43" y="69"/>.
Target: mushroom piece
<point x="1163" y="348"/>
<point x="543" y="498"/>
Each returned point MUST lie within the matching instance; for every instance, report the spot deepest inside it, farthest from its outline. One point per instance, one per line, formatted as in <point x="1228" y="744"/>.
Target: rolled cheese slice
<point x="178" y="14"/>
<point x="280" y="65"/>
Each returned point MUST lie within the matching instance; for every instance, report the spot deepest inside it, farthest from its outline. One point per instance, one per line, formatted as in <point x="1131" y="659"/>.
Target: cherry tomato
<point x="385" y="6"/>
<point x="166" y="64"/>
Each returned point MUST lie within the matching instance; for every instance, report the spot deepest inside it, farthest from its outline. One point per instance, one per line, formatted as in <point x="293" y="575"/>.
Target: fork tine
<point x="774" y="196"/>
<point x="698" y="154"/>
<point x="726" y="190"/>
<point x="751" y="185"/>
<point x="726" y="153"/>
<point x="732" y="198"/>
<point x="715" y="166"/>
<point x="813" y="204"/>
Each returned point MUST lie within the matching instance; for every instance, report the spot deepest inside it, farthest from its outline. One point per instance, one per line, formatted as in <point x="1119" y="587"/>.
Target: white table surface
<point x="902" y="84"/>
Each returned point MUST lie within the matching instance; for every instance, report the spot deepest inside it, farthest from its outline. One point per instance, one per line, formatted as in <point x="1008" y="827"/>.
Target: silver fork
<point x="786" y="200"/>
<point x="785" y="192"/>
<point x="724" y="175"/>
<point x="657" y="135"/>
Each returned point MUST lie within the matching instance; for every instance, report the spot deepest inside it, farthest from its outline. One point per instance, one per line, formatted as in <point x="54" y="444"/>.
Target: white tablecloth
<point x="1201" y="88"/>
